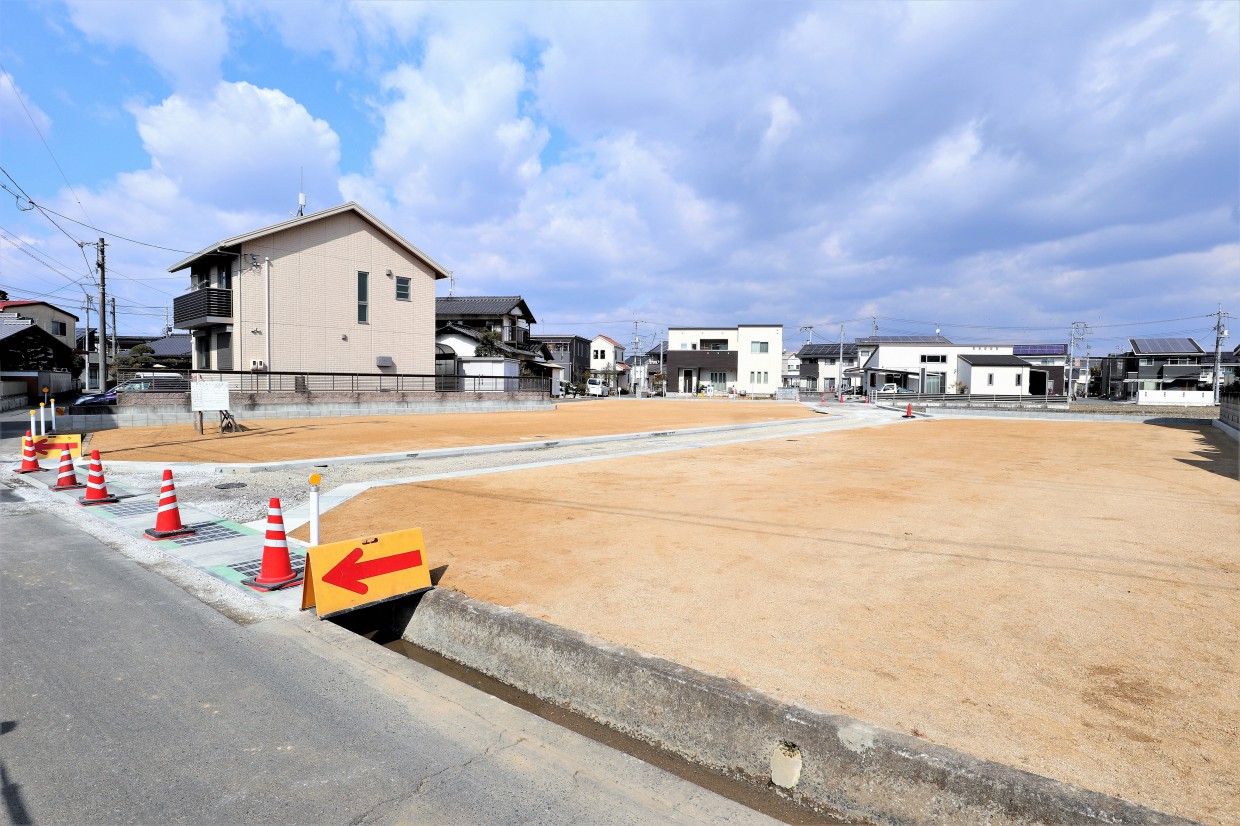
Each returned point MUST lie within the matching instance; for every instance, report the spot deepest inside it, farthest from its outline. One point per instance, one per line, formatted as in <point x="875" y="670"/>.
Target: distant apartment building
<point x="746" y="359"/>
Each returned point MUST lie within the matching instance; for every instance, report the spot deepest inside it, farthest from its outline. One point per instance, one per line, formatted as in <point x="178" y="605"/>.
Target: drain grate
<point x="207" y="532"/>
<point x="254" y="566"/>
<point x="230" y="486"/>
<point x="132" y="508"/>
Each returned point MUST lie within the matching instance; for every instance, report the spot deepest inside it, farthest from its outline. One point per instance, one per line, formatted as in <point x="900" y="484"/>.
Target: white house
<point x="746" y="359"/>
<point x="607" y="361"/>
<point x="929" y="364"/>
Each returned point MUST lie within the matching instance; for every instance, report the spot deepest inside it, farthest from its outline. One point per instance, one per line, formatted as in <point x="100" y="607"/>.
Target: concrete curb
<point x="447" y="452"/>
<point x="850" y="767"/>
<point x="1227" y="429"/>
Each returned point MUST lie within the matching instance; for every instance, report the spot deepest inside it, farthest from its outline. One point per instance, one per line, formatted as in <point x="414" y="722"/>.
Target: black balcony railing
<point x="200" y="308"/>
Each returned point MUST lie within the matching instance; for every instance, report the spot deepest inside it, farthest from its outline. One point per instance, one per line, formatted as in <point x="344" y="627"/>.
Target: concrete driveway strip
<point x="126" y="700"/>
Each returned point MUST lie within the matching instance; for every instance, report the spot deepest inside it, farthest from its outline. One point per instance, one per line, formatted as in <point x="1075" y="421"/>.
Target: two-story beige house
<point x="337" y="291"/>
<point x="49" y="317"/>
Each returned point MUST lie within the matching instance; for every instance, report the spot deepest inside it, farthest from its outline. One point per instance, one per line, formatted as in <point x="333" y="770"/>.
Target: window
<point x="684" y="345"/>
<point x="990" y="379"/>
<point x="203" y="345"/>
<point x="1018" y="379"/>
<point x="759" y="347"/>
<point x="940" y="359"/>
<point x="363" y="298"/>
<point x="752" y="379"/>
<point x="719" y="380"/>
<point x="59" y="328"/>
<point x="402" y="288"/>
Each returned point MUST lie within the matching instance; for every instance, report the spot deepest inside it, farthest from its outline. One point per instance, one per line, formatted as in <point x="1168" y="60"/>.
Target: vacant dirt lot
<point x="273" y="440"/>
<point x="1059" y="596"/>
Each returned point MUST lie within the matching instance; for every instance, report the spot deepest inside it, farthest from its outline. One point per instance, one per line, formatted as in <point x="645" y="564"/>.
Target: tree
<point x="488" y="345"/>
<point x="139" y="356"/>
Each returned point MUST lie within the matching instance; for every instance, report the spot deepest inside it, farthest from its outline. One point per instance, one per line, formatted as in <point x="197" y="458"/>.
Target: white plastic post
<point x="42" y="420"/>
<point x="53" y="415"/>
<point x="34" y="429"/>
<point x="314" y="508"/>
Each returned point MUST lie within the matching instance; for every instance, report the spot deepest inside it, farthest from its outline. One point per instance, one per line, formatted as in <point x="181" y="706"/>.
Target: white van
<point x="596" y="387"/>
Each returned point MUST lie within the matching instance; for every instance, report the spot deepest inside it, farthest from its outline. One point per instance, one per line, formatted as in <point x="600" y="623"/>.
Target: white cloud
<point x="16" y="119"/>
<point x="186" y="41"/>
<point x="242" y="146"/>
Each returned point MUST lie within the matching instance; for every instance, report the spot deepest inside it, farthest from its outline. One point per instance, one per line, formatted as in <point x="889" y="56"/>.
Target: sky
<point x="996" y="170"/>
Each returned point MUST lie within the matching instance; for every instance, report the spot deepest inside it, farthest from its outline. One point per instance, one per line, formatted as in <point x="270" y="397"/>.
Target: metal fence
<point x="306" y="382"/>
<point x="967" y="399"/>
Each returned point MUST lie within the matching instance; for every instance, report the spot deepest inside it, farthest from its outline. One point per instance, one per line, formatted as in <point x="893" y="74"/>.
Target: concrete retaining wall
<point x="850" y="767"/>
<point x="146" y="409"/>
<point x="1229" y="409"/>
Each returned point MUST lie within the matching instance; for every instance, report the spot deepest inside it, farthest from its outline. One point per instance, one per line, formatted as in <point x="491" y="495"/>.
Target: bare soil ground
<point x="273" y="440"/>
<point x="1059" y="596"/>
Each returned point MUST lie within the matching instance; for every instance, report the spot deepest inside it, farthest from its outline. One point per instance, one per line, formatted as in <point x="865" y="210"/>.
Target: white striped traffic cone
<point x="30" y="462"/>
<point x="67" y="478"/>
<point x="168" y="519"/>
<point x="96" y="487"/>
<point x="276" y="571"/>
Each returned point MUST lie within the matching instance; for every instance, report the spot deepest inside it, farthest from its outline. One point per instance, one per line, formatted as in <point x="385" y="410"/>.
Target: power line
<point x="115" y="235"/>
<point x="39" y="132"/>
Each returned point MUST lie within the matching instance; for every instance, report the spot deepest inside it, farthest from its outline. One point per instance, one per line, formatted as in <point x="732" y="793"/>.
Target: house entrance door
<point x="686" y="382"/>
<point x="934" y="383"/>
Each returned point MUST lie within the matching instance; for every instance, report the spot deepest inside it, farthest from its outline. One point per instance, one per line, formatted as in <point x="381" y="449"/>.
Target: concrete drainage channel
<point x="723" y="736"/>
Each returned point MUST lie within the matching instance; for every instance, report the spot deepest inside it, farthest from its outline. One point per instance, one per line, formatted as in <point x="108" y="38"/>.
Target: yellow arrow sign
<point x="345" y="575"/>
<point x="50" y="446"/>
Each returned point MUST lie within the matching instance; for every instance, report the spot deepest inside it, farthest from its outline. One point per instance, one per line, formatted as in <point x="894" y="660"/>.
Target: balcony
<point x="519" y="336"/>
<point x="202" y="308"/>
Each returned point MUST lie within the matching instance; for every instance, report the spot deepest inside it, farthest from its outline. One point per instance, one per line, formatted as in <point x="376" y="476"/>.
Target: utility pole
<point x="101" y="263"/>
<point x="112" y="304"/>
<point x="1220" y="333"/>
<point x="1076" y="332"/>
<point x="637" y="391"/>
<point x="809" y="339"/>
<point x="86" y="343"/>
<point x="839" y="365"/>
<point x="167" y="322"/>
<point x="873" y="326"/>
<point x="663" y="361"/>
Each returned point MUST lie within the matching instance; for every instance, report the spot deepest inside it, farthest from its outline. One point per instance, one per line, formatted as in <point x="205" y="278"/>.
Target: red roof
<point x="4" y="305"/>
<point x="608" y="338"/>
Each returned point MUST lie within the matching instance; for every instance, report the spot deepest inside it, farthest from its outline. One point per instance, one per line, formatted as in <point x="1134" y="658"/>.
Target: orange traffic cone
<point x="168" y="518"/>
<point x="96" y="488"/>
<point x="67" y="478"/>
<point x="277" y="569"/>
<point x="909" y="413"/>
<point x="30" y="462"/>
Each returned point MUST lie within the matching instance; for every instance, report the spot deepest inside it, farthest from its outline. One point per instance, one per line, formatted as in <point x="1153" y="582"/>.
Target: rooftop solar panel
<point x="1039" y="349"/>
<point x="1164" y="346"/>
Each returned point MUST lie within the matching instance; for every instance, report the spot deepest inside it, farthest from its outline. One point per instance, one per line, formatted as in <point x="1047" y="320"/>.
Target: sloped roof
<point x="482" y="306"/>
<point x="177" y="344"/>
<point x="658" y="349"/>
<point x="440" y="272"/>
<point x="537" y="348"/>
<point x="5" y="305"/>
<point x="1165" y="347"/>
<point x="904" y="340"/>
<point x="608" y="338"/>
<point x="993" y="361"/>
<point x="826" y="350"/>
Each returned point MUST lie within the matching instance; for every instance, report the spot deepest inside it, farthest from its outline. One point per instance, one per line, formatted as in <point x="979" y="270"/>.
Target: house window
<point x="719" y="380"/>
<point x="363" y="298"/>
<point x="684" y="345"/>
<point x="203" y="345"/>
<point x="59" y="328"/>
<point x="990" y="379"/>
<point x="940" y="359"/>
<point x="402" y="288"/>
<point x="1018" y="378"/>
<point x="759" y="347"/>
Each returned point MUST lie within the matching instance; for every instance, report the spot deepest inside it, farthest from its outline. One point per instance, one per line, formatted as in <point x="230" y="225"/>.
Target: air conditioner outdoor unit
<point x="258" y="364"/>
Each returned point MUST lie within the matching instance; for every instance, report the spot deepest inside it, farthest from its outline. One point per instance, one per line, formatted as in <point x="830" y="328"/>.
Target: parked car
<point x="894" y="388"/>
<point x="140" y="383"/>
<point x="596" y="387"/>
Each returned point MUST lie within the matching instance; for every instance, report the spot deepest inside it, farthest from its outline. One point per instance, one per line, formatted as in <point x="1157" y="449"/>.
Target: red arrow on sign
<point x="350" y="571"/>
<point x="42" y="446"/>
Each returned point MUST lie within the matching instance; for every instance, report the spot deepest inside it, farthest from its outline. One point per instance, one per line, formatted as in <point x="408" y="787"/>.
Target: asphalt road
<point x="123" y="699"/>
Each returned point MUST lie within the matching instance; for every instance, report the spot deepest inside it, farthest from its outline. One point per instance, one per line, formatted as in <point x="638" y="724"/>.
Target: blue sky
<point x="996" y="169"/>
